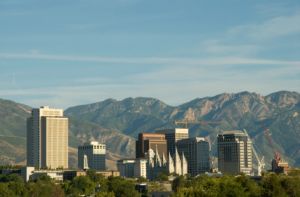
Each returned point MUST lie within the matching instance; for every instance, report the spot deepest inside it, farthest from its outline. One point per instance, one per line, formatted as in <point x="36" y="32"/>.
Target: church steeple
<point x="178" y="165"/>
<point x="157" y="158"/>
<point x="184" y="168"/>
<point x="164" y="161"/>
<point x="170" y="164"/>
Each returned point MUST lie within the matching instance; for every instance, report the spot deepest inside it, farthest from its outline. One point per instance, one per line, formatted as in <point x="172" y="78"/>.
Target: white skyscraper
<point x="47" y="138"/>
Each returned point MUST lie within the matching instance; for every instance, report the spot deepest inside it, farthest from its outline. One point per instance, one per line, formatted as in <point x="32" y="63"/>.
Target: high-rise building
<point x="234" y="153"/>
<point x="196" y="151"/>
<point x="92" y="156"/>
<point x="172" y="136"/>
<point x="47" y="138"/>
<point x="152" y="141"/>
<point x="126" y="167"/>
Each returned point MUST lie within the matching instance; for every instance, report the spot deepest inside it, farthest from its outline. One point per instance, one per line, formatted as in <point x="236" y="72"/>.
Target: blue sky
<point x="70" y="52"/>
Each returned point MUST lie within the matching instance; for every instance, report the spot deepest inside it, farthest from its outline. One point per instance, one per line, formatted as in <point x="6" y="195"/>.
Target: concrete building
<point x="196" y="151"/>
<point x="234" y="153"/>
<point x="47" y="138"/>
<point x="152" y="141"/>
<point x="92" y="156"/>
<point x="172" y="136"/>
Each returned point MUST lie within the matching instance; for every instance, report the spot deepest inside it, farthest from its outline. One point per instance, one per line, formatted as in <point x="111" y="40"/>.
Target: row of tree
<point x="91" y="185"/>
<point x="270" y="185"/>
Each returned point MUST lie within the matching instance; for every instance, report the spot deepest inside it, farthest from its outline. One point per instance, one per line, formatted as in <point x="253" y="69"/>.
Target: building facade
<point x="234" y="153"/>
<point x="196" y="151"/>
<point x="172" y="136"/>
<point x="152" y="141"/>
<point x="47" y="138"/>
<point x="92" y="156"/>
<point x="126" y="167"/>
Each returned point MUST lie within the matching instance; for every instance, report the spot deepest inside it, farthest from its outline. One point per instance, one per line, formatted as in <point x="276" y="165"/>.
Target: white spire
<point x="164" y="161"/>
<point x="170" y="164"/>
<point x="85" y="162"/>
<point x="177" y="163"/>
<point x="184" y="166"/>
<point x="151" y="155"/>
<point x="157" y="158"/>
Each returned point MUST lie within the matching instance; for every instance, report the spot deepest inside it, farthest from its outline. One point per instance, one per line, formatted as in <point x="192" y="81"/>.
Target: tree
<point x="291" y="185"/>
<point x="11" y="178"/>
<point x="105" y="194"/>
<point x="17" y="188"/>
<point x="271" y="184"/>
<point x="162" y="177"/>
<point x="178" y="182"/>
<point x="4" y="190"/>
<point x="250" y="186"/>
<point x="98" y="179"/>
<point x="82" y="185"/>
<point x="122" y="187"/>
<point x="229" y="187"/>
<point x="45" y="189"/>
<point x="141" y="180"/>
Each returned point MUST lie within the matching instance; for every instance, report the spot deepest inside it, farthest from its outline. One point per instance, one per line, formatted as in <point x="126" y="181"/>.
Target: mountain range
<point x="117" y="123"/>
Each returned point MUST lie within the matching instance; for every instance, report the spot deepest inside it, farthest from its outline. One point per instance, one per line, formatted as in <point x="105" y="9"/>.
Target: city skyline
<point x="71" y="53"/>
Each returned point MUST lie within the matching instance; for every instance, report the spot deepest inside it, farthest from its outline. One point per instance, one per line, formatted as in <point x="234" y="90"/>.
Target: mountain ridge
<point x="117" y="122"/>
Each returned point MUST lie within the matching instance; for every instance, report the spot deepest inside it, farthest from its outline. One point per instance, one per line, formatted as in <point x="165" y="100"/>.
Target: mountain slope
<point x="243" y="110"/>
<point x="129" y="115"/>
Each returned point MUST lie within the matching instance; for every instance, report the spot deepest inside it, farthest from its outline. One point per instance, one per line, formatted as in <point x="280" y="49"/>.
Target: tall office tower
<point x="196" y="151"/>
<point x="234" y="153"/>
<point x="172" y="136"/>
<point x="94" y="153"/>
<point x="47" y="138"/>
<point x="152" y="141"/>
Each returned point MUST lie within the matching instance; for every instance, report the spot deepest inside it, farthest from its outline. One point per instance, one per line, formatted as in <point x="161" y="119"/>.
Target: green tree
<point x="17" y="188"/>
<point x="251" y="187"/>
<point x="105" y="194"/>
<point x="11" y="178"/>
<point x="141" y="180"/>
<point x="291" y="185"/>
<point x="271" y="184"/>
<point x="162" y="176"/>
<point x="45" y="189"/>
<point x="98" y="179"/>
<point x="229" y="187"/>
<point x="5" y="191"/>
<point x="82" y="185"/>
<point x="122" y="187"/>
<point x="178" y="182"/>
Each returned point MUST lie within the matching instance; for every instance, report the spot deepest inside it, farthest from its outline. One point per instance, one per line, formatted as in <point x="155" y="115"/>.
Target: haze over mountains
<point x="118" y="122"/>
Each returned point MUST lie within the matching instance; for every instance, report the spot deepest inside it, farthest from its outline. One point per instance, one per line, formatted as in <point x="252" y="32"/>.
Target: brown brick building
<point x="151" y="140"/>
